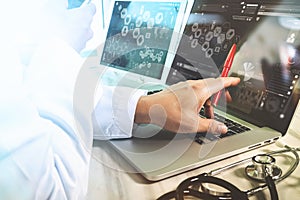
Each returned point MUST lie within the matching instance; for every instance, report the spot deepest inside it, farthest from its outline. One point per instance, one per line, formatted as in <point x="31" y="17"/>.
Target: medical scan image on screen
<point x="267" y="60"/>
<point x="139" y="36"/>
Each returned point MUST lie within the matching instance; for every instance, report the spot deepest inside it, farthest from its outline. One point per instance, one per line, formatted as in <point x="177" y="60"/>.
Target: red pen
<point x="226" y="68"/>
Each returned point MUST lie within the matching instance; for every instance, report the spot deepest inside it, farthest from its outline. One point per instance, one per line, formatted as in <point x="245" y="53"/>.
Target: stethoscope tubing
<point x="252" y="191"/>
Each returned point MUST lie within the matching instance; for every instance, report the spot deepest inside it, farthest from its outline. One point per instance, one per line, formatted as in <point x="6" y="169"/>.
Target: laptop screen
<point x="139" y="39"/>
<point x="267" y="59"/>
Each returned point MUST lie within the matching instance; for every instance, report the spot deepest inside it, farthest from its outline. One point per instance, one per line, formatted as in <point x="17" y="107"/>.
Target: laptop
<point x="263" y="104"/>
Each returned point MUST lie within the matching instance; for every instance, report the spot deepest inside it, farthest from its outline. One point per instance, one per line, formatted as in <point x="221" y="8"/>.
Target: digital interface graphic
<point x="267" y="59"/>
<point x="139" y="36"/>
<point x="211" y="30"/>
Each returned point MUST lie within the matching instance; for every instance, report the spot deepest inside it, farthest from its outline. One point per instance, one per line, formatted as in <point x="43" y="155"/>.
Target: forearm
<point x="142" y="111"/>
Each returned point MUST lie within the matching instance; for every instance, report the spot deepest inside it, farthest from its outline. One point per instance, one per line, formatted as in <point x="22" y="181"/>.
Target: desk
<point x="106" y="182"/>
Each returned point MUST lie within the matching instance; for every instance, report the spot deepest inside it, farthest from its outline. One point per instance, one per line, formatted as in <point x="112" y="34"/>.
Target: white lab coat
<point x="44" y="148"/>
<point x="46" y="132"/>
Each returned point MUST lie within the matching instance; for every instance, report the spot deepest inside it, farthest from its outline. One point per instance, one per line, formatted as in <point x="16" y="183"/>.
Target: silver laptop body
<point x="268" y="63"/>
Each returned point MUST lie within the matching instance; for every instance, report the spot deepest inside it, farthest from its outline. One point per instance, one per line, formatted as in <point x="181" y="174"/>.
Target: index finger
<point x="213" y="85"/>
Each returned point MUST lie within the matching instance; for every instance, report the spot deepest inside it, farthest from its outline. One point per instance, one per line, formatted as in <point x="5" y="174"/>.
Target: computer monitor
<point x="142" y="37"/>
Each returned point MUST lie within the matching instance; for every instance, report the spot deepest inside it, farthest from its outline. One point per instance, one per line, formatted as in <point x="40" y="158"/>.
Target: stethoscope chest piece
<point x="262" y="165"/>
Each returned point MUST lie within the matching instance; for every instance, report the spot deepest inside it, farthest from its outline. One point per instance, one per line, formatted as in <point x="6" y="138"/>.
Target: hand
<point x="177" y="108"/>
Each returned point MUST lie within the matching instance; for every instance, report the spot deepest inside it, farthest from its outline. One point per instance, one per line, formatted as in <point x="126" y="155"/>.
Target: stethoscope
<point x="263" y="169"/>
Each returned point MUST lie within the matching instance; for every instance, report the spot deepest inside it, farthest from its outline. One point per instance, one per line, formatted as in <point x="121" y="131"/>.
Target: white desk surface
<point x="107" y="182"/>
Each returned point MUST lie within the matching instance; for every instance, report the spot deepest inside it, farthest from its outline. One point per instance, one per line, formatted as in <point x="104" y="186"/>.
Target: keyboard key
<point x="236" y="129"/>
<point x="228" y="124"/>
<point x="211" y="137"/>
<point x="204" y="138"/>
<point x="199" y="140"/>
<point x="233" y="128"/>
<point x="229" y="133"/>
<point x="245" y="128"/>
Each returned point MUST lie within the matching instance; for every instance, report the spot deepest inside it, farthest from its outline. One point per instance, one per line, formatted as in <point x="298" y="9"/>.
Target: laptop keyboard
<point x="233" y="128"/>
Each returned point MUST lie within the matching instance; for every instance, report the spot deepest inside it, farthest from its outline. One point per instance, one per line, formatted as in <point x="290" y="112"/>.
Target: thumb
<point x="211" y="126"/>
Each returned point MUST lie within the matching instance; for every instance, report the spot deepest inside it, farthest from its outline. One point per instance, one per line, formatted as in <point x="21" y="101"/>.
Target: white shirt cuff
<point x="114" y="113"/>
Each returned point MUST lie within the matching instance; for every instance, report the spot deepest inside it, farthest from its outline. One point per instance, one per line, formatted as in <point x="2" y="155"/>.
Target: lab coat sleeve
<point x="113" y="116"/>
<point x="38" y="159"/>
<point x="50" y="80"/>
<point x="52" y="85"/>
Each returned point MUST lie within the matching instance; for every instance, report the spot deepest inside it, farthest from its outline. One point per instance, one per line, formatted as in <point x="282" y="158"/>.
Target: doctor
<point x="44" y="149"/>
<point x="42" y="156"/>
